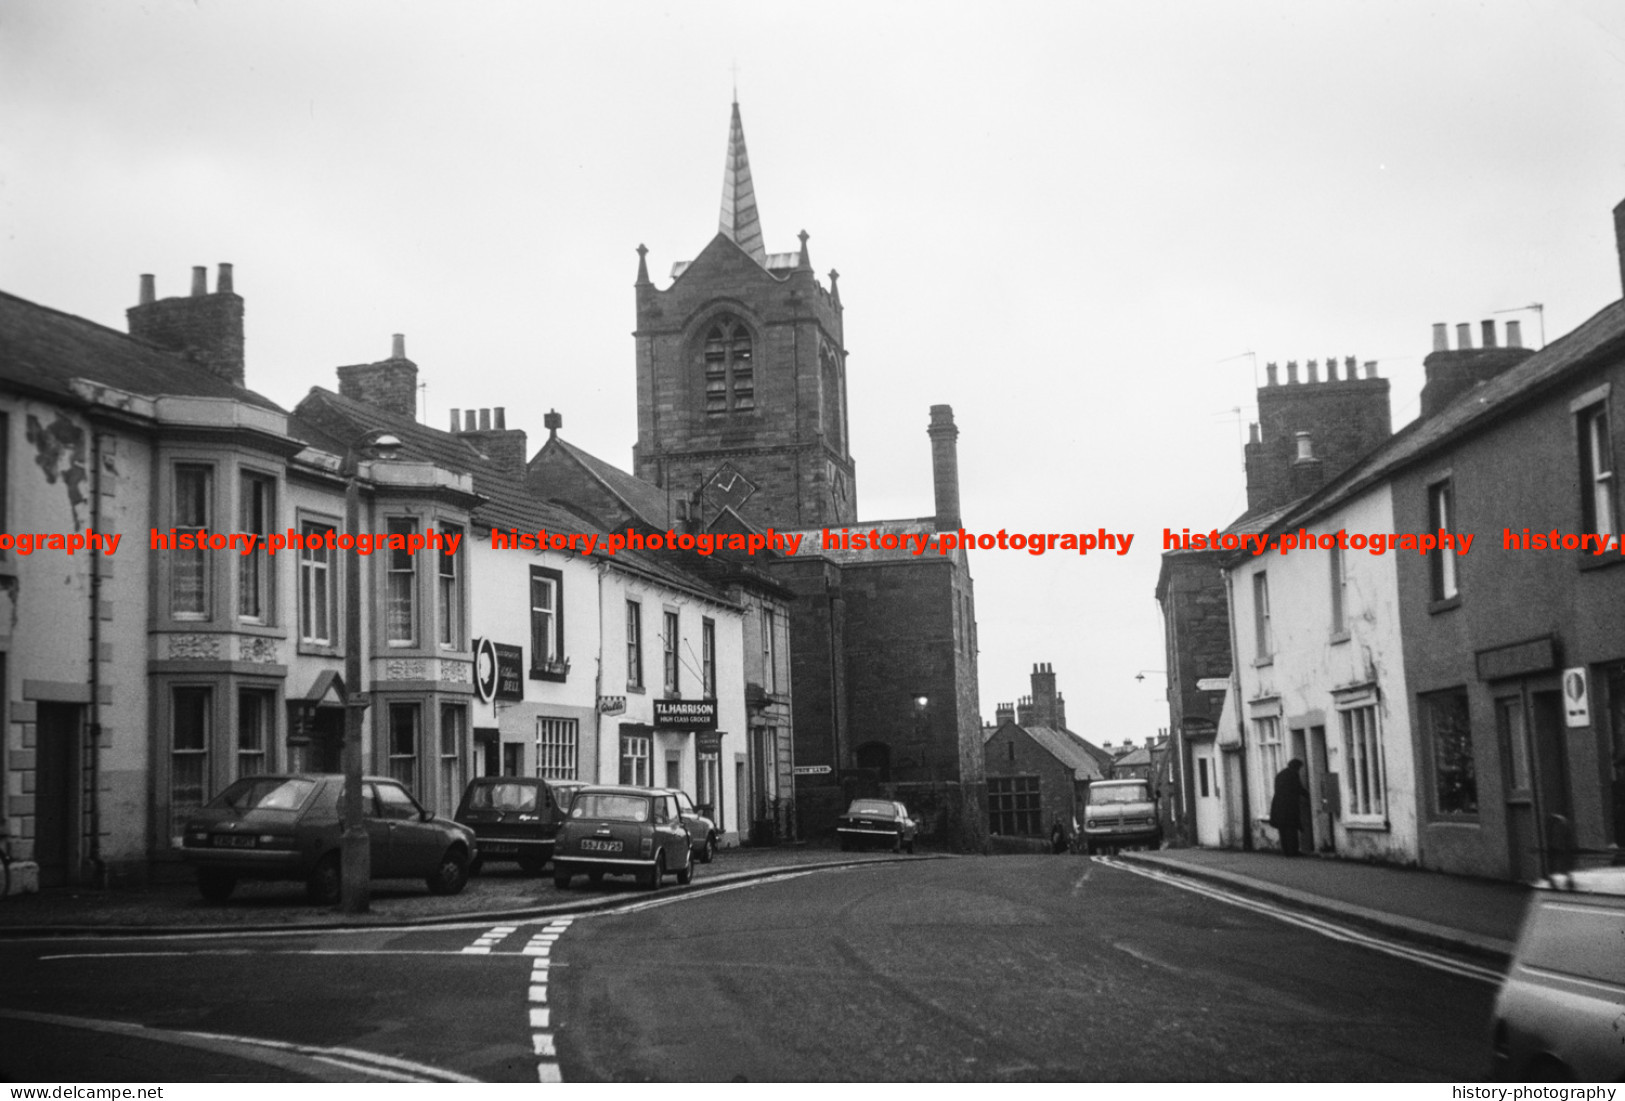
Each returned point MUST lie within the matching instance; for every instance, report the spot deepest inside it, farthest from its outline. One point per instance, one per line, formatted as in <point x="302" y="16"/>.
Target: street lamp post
<point x="355" y="849"/>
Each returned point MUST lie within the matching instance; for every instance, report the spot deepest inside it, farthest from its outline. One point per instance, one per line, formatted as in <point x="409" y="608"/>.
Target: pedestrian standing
<point x="1057" y="837"/>
<point x="1286" y="808"/>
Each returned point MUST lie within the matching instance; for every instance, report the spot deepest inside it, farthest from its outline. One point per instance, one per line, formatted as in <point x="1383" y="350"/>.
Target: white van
<point x="1120" y="813"/>
<point x="1560" y="1015"/>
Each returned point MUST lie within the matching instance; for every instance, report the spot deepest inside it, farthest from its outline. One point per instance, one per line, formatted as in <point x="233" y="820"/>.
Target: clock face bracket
<point x="727" y="488"/>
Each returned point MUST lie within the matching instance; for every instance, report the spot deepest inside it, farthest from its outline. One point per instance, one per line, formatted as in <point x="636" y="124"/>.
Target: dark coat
<point x="1286" y="808"/>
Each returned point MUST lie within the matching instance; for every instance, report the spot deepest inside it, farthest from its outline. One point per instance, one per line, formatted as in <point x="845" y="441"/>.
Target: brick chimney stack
<point x="1044" y="709"/>
<point x="494" y="439"/>
<point x="1004" y="713"/>
<point x="945" y="466"/>
<point x="390" y="384"/>
<point x="1452" y="373"/>
<point x="1345" y="416"/>
<point x="205" y="328"/>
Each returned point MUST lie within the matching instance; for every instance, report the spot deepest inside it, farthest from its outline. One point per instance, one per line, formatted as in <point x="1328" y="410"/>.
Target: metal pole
<point x="355" y="849"/>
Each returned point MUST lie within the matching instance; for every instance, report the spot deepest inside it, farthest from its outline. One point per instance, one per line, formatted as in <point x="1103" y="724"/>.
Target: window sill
<point x="1263" y="663"/>
<point x="556" y="675"/>
<point x="1339" y="636"/>
<point x="1445" y="605"/>
<point x="1456" y="820"/>
<point x="1599" y="561"/>
<point x="636" y="689"/>
<point x="1369" y="825"/>
<point x="320" y="649"/>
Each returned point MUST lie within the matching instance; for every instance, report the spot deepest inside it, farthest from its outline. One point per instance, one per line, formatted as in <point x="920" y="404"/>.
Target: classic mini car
<point x="516" y="817"/>
<point x="622" y="831"/>
<point x="702" y="832"/>
<point x="876" y="822"/>
<point x="1120" y="813"/>
<point x="288" y="827"/>
<point x="1560" y="1015"/>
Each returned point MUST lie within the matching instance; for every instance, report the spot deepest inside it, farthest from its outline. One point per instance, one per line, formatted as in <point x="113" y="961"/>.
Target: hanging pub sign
<point x="611" y="705"/>
<point x="510" y="671"/>
<point x="686" y="714"/>
<point x="708" y="743"/>
<point x="485" y="669"/>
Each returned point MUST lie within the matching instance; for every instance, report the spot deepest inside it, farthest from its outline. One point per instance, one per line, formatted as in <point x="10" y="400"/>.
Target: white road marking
<point x="538" y="993"/>
<point x="544" y="1044"/>
<point x="548" y="1072"/>
<point x="539" y="1018"/>
<point x="1318" y="925"/>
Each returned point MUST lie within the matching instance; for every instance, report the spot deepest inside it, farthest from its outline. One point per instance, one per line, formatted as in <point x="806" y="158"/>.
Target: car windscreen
<point x="611" y="806"/>
<point x="1119" y="793"/>
<point x="514" y="797"/>
<point x="872" y="807"/>
<point x="264" y="793"/>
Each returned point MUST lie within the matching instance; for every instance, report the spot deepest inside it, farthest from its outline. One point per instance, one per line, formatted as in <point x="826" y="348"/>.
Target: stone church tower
<point x="741" y="376"/>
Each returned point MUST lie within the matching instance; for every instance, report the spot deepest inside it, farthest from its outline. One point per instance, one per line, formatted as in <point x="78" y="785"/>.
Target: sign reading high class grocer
<point x="686" y="714"/>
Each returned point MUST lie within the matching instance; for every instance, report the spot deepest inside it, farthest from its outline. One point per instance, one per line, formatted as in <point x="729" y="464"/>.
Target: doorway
<point x="327" y="740"/>
<point x="741" y="795"/>
<point x="1322" y="790"/>
<point x="1209" y="801"/>
<point x="1539" y="809"/>
<point x="58" y="729"/>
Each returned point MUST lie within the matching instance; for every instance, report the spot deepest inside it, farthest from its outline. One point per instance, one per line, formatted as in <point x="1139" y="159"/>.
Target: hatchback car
<point x="1120" y="813"/>
<point x="1560" y="1015"/>
<point x="516" y="817"/>
<point x="288" y="828"/>
<point x="623" y="831"/>
<point x="876" y="822"/>
<point x="702" y="832"/>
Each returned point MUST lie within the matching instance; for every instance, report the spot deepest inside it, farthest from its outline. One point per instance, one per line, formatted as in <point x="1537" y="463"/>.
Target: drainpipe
<point x="99" y="869"/>
<point x="1241" y="720"/>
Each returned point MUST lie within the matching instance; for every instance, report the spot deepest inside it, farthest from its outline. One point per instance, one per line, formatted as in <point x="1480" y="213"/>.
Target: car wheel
<point x="215" y="886"/>
<point x="532" y="865"/>
<point x="477" y="866"/>
<point x="325" y="882"/>
<point x="685" y="874"/>
<point x="452" y="874"/>
<point x="709" y="853"/>
<point x="910" y="846"/>
<point x="652" y="878"/>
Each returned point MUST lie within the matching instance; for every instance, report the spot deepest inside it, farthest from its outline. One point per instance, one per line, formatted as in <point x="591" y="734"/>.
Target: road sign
<point x="1213" y="684"/>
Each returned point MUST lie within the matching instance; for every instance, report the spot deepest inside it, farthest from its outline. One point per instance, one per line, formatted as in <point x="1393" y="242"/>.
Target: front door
<point x="1235" y="823"/>
<point x="327" y="740"/>
<point x="1523" y="835"/>
<point x="1322" y="789"/>
<point x="57" y="731"/>
<point x="1209" y="803"/>
<point x="1311" y="783"/>
<point x="1552" y="781"/>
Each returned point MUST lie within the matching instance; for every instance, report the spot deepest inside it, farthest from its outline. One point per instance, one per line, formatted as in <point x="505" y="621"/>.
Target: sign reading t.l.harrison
<point x="686" y="714"/>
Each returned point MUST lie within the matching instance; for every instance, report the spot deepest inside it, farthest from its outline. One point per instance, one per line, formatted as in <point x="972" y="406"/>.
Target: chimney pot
<point x="944" y="466"/>
<point x="149" y="290"/>
<point x="200" y="280"/>
<point x="223" y="283"/>
<point x="1488" y="328"/>
<point x="1270" y="374"/>
<point x="485" y="420"/>
<point x="1441" y="336"/>
<point x="1370" y="368"/>
<point x="1313" y="370"/>
<point x="1292" y="372"/>
<point x="1464" y="337"/>
<point x="502" y="418"/>
<point x="397" y="346"/>
<point x="1305" y="446"/>
<point x="1514" y="334"/>
<point x="456" y="420"/>
<point x="1252" y="432"/>
<point x="469" y="422"/>
<point x="1350" y="370"/>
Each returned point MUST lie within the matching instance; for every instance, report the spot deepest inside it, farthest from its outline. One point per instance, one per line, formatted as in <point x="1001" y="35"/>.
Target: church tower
<point x="741" y="375"/>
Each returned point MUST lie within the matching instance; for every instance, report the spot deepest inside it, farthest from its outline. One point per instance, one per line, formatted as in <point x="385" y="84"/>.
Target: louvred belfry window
<point x="730" y="381"/>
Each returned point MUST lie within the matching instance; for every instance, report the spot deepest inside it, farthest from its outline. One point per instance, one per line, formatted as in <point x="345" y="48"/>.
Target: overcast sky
<point x="1070" y="221"/>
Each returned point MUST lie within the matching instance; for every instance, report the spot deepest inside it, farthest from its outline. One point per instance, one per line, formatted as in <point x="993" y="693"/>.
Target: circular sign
<point x="485" y="669"/>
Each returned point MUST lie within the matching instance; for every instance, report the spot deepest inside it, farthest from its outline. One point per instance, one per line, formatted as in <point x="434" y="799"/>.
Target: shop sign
<point x="686" y="714"/>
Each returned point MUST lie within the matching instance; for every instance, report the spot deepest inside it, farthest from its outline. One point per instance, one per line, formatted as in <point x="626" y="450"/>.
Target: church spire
<point x="739" y="222"/>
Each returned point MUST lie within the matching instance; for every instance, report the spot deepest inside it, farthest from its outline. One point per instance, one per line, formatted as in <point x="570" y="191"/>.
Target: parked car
<point x="516" y="817"/>
<point x="288" y="827"/>
<point x="702" y="832"/>
<point x="1120" y="813"/>
<point x="623" y="831"/>
<point x="876" y="822"/>
<point x="1560" y="1015"/>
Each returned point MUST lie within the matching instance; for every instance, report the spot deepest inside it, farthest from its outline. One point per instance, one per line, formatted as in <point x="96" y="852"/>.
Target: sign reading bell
<point x="498" y="671"/>
<point x="686" y="714"/>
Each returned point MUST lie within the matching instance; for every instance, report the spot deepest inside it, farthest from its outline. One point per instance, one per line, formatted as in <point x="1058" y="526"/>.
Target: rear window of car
<point x="264" y="793"/>
<point x="872" y="806"/>
<point x="615" y="808"/>
<point x="1120" y="793"/>
<point x="514" y="797"/>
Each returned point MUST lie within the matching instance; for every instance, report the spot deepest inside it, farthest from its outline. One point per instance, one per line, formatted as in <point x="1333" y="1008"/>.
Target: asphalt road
<point x="1013" y="968"/>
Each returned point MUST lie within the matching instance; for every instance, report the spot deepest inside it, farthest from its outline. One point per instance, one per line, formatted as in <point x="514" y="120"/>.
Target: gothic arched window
<point x="730" y="380"/>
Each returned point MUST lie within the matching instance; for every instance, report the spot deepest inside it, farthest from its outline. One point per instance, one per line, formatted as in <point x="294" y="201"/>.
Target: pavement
<point x="1474" y="917"/>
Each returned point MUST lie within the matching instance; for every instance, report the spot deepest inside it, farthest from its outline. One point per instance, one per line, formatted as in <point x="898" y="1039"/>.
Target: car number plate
<point x="232" y="841"/>
<point x="592" y="844"/>
<point x="498" y="847"/>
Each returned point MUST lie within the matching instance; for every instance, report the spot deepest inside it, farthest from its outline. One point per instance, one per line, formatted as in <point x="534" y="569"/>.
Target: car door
<point x="414" y="845"/>
<point x="691" y="821"/>
<point x="905" y="824"/>
<point x="670" y="834"/>
<point x="372" y="816"/>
